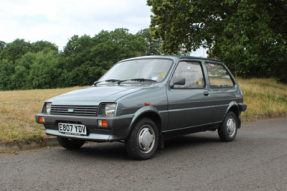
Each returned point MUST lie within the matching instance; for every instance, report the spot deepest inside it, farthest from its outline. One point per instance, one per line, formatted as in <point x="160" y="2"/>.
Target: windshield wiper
<point x="137" y="79"/>
<point x="109" y="80"/>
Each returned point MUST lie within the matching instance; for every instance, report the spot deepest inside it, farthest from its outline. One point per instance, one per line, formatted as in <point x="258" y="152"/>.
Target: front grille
<point x="77" y="110"/>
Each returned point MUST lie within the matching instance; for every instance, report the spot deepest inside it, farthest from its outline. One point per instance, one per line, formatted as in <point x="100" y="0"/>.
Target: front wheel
<point x="227" y="132"/>
<point x="70" y="143"/>
<point x="143" y="140"/>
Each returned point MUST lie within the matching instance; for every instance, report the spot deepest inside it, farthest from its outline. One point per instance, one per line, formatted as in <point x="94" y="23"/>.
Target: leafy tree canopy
<point x="191" y="22"/>
<point x="15" y="50"/>
<point x="250" y="36"/>
<point x="25" y="65"/>
<point x="2" y="45"/>
<point x="43" y="45"/>
<point x="152" y="45"/>
<point x="19" y="47"/>
<point x="86" y="58"/>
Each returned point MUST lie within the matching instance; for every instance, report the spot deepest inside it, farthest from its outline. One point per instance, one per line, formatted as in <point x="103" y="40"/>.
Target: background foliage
<point x="248" y="35"/>
<point x="39" y="65"/>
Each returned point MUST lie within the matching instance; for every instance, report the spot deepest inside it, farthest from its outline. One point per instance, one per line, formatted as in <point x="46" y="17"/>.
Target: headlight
<point x="110" y="109"/>
<point x="48" y="108"/>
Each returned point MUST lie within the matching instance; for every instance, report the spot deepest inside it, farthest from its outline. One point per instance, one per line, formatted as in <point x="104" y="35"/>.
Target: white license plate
<point x="73" y="129"/>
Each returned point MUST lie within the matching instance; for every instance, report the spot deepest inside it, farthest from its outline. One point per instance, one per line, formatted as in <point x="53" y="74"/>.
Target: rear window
<point x="218" y="76"/>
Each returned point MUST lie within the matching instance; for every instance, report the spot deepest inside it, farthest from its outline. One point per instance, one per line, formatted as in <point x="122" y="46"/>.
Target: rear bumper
<point x="118" y="127"/>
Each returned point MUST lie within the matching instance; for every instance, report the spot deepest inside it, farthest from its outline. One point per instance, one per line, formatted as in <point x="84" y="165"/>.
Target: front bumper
<point x="118" y="127"/>
<point x="242" y="107"/>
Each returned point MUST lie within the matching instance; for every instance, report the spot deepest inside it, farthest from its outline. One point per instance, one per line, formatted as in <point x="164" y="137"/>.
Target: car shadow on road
<point x="193" y="140"/>
<point x="115" y="151"/>
<point x="101" y="151"/>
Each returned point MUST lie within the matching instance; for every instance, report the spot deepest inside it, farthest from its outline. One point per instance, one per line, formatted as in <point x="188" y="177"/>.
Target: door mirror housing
<point x="177" y="81"/>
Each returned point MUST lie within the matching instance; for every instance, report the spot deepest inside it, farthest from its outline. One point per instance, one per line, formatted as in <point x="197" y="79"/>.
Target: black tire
<point x="227" y="132"/>
<point x="143" y="140"/>
<point x="70" y="143"/>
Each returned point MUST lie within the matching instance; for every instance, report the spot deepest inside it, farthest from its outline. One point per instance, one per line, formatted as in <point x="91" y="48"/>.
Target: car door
<point x="222" y="87"/>
<point x="189" y="104"/>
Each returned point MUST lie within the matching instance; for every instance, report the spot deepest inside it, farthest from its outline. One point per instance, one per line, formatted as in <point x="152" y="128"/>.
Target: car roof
<point x="173" y="57"/>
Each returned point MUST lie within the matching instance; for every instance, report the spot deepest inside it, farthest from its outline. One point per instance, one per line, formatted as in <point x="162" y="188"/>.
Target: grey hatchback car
<point x="141" y="101"/>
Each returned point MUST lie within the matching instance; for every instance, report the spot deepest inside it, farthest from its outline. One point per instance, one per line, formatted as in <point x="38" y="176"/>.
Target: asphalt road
<point x="256" y="160"/>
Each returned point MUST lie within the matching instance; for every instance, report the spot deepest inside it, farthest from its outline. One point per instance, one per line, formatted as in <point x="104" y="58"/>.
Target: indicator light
<point x="102" y="123"/>
<point x="41" y="119"/>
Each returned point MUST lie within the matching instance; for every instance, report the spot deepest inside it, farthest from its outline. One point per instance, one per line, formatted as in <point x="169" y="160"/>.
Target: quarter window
<point x="218" y="76"/>
<point x="192" y="73"/>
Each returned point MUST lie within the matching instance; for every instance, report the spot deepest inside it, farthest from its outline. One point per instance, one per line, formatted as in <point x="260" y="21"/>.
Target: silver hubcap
<point x="146" y="138"/>
<point x="231" y="126"/>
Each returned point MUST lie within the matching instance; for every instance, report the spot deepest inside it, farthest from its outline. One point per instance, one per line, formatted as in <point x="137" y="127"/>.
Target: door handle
<point x="206" y="93"/>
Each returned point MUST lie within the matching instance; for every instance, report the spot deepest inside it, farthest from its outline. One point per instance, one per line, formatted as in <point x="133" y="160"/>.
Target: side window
<point x="192" y="72"/>
<point x="218" y="76"/>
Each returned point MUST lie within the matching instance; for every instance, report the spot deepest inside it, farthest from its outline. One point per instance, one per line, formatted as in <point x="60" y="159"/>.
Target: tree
<point x="19" y="79"/>
<point x="76" y="61"/>
<point x="2" y="45"/>
<point x="237" y="32"/>
<point x="152" y="45"/>
<point x="85" y="59"/>
<point x="15" y="50"/>
<point x="189" y="22"/>
<point x="41" y="45"/>
<point x="6" y="70"/>
<point x="45" y="71"/>
<point x="277" y="12"/>
<point x="111" y="47"/>
<point x="76" y="51"/>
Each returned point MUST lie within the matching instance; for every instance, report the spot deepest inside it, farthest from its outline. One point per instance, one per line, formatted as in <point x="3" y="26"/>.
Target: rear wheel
<point x="143" y="140"/>
<point x="227" y="132"/>
<point x="70" y="143"/>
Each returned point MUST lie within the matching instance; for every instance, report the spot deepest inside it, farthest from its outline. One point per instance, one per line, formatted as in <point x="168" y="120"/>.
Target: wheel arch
<point x="147" y="112"/>
<point x="234" y="107"/>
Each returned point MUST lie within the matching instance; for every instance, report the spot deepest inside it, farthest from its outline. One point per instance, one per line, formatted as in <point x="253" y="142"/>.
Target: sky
<point x="57" y="21"/>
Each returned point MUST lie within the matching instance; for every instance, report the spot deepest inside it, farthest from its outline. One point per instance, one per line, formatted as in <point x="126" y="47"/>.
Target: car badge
<point x="71" y="110"/>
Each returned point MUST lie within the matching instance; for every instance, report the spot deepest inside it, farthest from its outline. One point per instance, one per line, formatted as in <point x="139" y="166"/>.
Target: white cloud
<point x="58" y="20"/>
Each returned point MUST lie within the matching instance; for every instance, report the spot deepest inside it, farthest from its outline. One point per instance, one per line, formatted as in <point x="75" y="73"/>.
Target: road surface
<point x="256" y="160"/>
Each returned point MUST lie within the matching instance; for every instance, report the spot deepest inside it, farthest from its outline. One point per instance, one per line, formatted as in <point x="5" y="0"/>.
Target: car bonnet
<point x="93" y="95"/>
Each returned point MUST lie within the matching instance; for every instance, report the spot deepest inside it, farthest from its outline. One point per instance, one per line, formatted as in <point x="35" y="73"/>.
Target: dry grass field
<point x="18" y="108"/>
<point x="263" y="97"/>
<point x="17" y="113"/>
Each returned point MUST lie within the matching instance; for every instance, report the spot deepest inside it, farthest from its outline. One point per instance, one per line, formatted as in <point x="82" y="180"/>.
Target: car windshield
<point x="150" y="69"/>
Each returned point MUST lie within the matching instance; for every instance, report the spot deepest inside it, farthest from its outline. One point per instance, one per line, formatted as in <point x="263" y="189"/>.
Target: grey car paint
<point x="173" y="109"/>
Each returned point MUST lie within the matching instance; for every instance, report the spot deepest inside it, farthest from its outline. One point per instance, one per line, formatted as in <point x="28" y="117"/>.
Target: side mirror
<point x="177" y="81"/>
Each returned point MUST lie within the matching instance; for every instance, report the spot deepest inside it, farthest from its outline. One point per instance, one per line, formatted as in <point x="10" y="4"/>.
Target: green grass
<point x="18" y="108"/>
